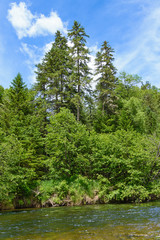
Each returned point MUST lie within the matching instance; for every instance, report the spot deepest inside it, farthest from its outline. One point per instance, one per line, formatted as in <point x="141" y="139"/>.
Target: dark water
<point x="87" y="222"/>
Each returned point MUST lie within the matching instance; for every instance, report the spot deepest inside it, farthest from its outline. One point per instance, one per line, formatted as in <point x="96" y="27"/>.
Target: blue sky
<point x="132" y="28"/>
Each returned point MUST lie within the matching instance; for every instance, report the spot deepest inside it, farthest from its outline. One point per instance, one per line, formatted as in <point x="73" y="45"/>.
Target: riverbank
<point x="118" y="167"/>
<point x="78" y="191"/>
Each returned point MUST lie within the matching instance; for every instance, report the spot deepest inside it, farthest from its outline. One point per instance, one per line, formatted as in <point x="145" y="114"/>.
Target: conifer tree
<point x="18" y="95"/>
<point x="52" y="86"/>
<point x="19" y="119"/>
<point x="80" y="72"/>
<point x="52" y="75"/>
<point x="107" y="80"/>
<point x="14" y="107"/>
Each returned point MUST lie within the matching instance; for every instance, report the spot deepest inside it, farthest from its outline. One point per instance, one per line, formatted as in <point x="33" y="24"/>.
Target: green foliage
<point x="80" y="187"/>
<point x="57" y="190"/>
<point x="15" y="178"/>
<point x="72" y="190"/>
<point x="53" y="75"/>
<point x="80" y="71"/>
<point x="15" y="108"/>
<point x="138" y="106"/>
<point x="128" y="86"/>
<point x="150" y="98"/>
<point x="107" y="80"/>
<point x="1" y="93"/>
<point x="66" y="145"/>
<point x="126" y="164"/>
<point x="133" y="116"/>
<point x="123" y="193"/>
<point x="155" y="189"/>
<point x="104" y="123"/>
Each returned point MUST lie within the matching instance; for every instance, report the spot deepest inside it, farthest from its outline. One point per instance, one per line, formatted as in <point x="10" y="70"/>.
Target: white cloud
<point x="29" y="50"/>
<point x="46" y="25"/>
<point x="28" y="25"/>
<point x="21" y="18"/>
<point x="93" y="50"/>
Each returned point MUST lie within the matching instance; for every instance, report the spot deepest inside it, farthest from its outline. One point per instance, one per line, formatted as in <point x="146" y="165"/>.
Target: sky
<point x="132" y="28"/>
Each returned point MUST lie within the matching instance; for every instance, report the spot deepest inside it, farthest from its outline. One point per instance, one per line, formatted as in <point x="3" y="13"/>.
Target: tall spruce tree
<point x="107" y="80"/>
<point x="63" y="71"/>
<point x="14" y="107"/>
<point x="52" y="75"/>
<point x="80" y="72"/>
<point x="20" y="119"/>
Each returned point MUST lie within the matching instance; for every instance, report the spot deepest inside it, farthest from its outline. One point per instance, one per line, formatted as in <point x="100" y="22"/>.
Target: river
<point x="96" y="222"/>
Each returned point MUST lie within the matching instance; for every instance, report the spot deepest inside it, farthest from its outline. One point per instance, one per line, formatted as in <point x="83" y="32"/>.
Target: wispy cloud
<point x="141" y="55"/>
<point x="27" y="24"/>
<point x="29" y="50"/>
<point x="33" y="56"/>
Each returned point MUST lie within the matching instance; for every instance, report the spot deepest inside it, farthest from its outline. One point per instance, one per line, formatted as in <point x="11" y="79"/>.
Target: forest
<point x="63" y="142"/>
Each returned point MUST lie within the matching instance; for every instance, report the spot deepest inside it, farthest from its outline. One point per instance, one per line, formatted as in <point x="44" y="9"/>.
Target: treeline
<point x="61" y="142"/>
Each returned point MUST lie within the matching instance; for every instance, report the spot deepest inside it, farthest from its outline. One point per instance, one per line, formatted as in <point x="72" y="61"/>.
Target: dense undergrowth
<point x="81" y="167"/>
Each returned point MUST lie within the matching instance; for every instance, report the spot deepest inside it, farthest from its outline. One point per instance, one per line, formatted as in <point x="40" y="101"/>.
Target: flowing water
<point x="96" y="222"/>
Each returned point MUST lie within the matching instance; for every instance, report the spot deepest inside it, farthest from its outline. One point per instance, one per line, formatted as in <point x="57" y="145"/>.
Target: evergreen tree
<point x="18" y="124"/>
<point x="17" y="93"/>
<point x="14" y="107"/>
<point x="80" y="72"/>
<point x="52" y="86"/>
<point x="52" y="75"/>
<point x="107" y="80"/>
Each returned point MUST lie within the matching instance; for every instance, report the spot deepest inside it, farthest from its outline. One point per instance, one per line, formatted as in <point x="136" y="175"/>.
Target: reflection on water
<point x="96" y="222"/>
